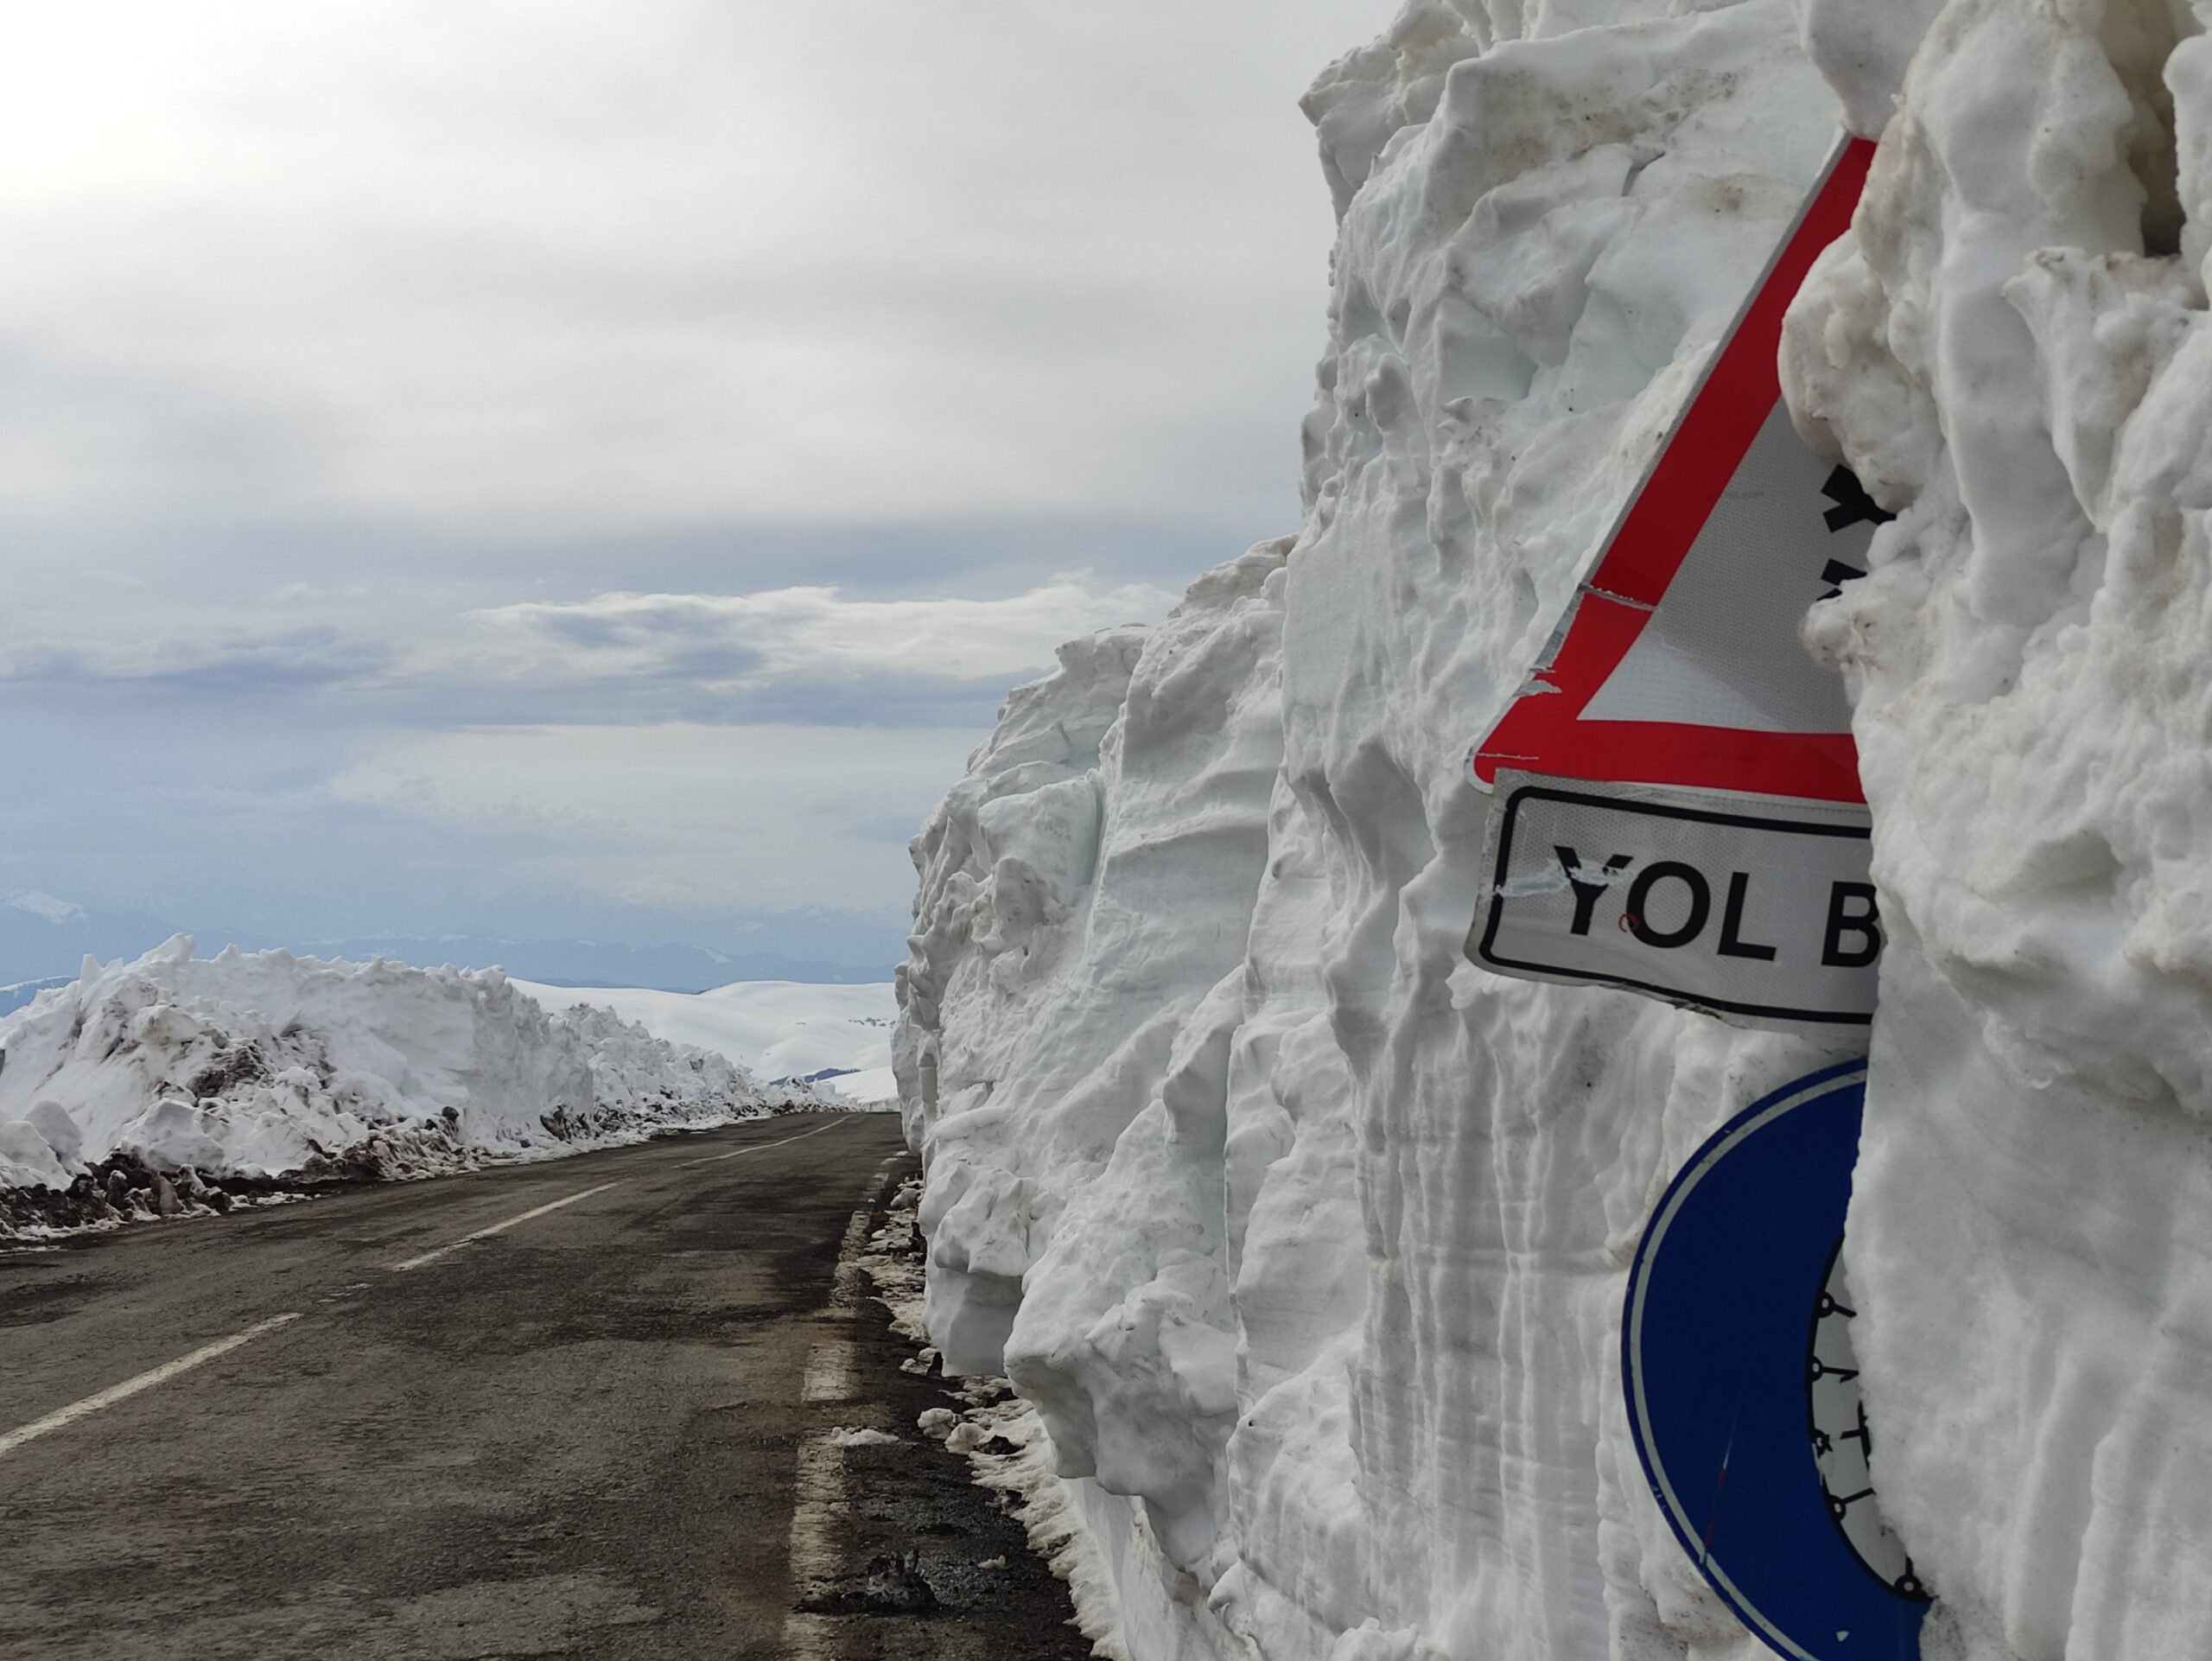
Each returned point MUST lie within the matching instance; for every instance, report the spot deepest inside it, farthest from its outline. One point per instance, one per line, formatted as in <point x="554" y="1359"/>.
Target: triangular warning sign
<point x="1679" y="661"/>
<point x="1678" y="810"/>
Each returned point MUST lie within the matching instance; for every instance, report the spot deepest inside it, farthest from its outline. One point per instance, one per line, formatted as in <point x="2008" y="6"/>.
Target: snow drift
<point x="835" y="1037"/>
<point x="1307" y="1237"/>
<point x="271" y="1065"/>
<point x="2015" y="352"/>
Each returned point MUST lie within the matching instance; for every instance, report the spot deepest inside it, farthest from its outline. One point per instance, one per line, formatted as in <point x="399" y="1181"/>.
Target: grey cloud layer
<point x="618" y="449"/>
<point x="660" y="262"/>
<point x="803" y="629"/>
<point x="793" y="656"/>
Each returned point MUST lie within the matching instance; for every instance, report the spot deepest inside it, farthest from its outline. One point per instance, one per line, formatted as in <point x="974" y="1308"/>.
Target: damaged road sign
<point x="1678" y="770"/>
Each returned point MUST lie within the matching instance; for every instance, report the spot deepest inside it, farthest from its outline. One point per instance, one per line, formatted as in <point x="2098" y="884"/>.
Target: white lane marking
<point x="848" y="1282"/>
<point x="131" y="1387"/>
<point x="432" y="1256"/>
<point x="498" y="1228"/>
<point x="821" y="1489"/>
<point x="855" y="1240"/>
<point x="763" y="1146"/>
<point x="819" y="1499"/>
<point x="832" y="1372"/>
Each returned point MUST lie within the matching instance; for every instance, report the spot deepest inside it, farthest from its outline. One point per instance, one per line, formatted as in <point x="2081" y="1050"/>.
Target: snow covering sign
<point x="1679" y="808"/>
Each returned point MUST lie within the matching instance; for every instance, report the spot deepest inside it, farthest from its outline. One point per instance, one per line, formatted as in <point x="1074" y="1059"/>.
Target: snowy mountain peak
<point x="45" y="904"/>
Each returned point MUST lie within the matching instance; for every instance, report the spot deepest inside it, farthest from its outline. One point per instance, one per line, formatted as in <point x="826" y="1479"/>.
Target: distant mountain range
<point x="591" y="962"/>
<point x="44" y="938"/>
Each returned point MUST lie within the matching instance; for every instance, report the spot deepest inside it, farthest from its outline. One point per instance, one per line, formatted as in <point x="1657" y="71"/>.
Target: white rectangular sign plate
<point x="1755" y="908"/>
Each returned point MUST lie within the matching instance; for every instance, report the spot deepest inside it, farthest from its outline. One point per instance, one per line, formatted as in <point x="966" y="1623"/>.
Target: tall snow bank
<point x="1306" y="1237"/>
<point x="2014" y="352"/>
<point x="271" y="1066"/>
<point x="1086" y="889"/>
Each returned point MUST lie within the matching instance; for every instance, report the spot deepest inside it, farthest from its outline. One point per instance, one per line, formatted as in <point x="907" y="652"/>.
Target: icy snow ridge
<point x="1306" y="1237"/>
<point x="271" y="1066"/>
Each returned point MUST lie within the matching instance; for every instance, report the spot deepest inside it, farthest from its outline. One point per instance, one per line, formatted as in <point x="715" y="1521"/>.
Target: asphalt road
<point x="548" y="1409"/>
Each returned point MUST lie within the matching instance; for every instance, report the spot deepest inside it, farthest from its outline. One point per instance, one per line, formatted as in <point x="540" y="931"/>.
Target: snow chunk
<point x="862" y="1436"/>
<point x="27" y="1159"/>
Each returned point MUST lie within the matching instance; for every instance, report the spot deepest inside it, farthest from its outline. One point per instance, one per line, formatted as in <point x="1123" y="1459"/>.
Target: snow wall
<point x="267" y="1065"/>
<point x="1308" y="1238"/>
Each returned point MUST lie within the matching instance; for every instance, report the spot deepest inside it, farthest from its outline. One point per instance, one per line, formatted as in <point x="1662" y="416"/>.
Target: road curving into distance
<point x="541" y="1409"/>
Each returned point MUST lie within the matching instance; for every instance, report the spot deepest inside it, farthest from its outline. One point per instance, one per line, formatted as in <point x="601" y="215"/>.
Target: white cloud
<point x="653" y="262"/>
<point x="678" y="813"/>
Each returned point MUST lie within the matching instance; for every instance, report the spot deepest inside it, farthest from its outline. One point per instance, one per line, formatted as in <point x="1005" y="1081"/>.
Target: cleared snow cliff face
<point x="268" y="1065"/>
<point x="1307" y="1237"/>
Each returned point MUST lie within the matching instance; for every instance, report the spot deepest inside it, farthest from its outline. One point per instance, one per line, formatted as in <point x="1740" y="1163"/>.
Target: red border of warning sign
<point x="1543" y="731"/>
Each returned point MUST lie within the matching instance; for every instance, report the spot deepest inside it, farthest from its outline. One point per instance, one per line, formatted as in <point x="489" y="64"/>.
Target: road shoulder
<point x="896" y="1550"/>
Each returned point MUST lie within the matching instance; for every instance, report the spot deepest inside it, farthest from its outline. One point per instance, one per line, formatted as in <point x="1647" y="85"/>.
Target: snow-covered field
<point x="775" y="1029"/>
<point x="1306" y="1237"/>
<point x="268" y="1065"/>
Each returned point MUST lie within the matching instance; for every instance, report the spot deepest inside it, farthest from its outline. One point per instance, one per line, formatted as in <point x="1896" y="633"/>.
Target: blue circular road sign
<point x="1743" y="1390"/>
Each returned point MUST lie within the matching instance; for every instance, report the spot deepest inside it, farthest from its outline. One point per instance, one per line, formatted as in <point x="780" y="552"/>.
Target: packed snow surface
<point x="777" y="1030"/>
<point x="271" y="1065"/>
<point x="1306" y="1237"/>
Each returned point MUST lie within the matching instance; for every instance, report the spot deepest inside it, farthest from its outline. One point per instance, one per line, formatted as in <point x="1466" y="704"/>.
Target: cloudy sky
<point x="536" y="458"/>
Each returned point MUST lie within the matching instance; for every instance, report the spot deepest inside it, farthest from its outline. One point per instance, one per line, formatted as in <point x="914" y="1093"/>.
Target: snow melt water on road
<point x="1307" y="1237"/>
